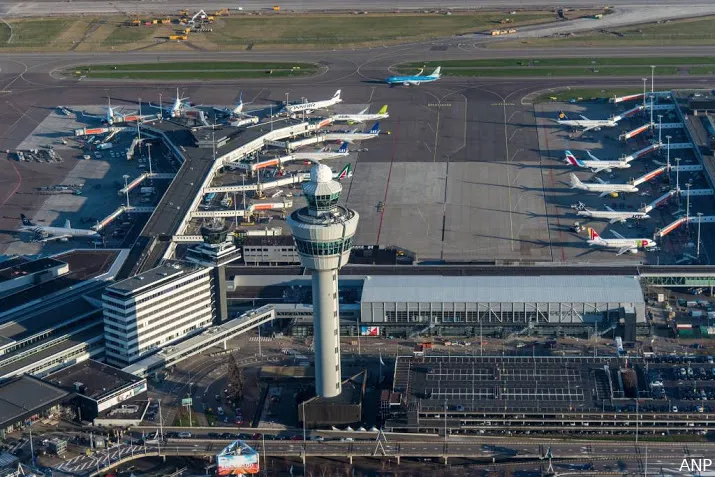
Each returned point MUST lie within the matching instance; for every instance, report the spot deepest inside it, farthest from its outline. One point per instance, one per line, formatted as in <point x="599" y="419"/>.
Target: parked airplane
<point x="611" y="215"/>
<point x="595" y="164"/>
<point x="177" y="108"/>
<point x="620" y="242"/>
<point x="345" y="173"/>
<point x="603" y="187"/>
<point x="415" y="79"/>
<point x="309" y="107"/>
<point x="355" y="136"/>
<point x="587" y="124"/>
<point x="322" y="155"/>
<point x="112" y="116"/>
<point x="361" y="116"/>
<point x="55" y="233"/>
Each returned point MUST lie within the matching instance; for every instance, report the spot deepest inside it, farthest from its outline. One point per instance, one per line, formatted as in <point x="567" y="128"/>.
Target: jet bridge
<point x="634" y="132"/>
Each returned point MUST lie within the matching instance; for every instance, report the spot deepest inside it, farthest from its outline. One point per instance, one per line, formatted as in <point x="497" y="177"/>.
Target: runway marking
<point x="389" y="173"/>
<point x="502" y="104"/>
<point x="439" y="105"/>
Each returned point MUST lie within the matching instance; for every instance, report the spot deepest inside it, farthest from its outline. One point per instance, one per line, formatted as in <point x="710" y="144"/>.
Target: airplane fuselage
<point x="308" y="107"/>
<point x="588" y="123"/>
<point x="358" y="118"/>
<point x="608" y="188"/>
<point x="633" y="245"/>
<point x="611" y="215"/>
<point x="601" y="165"/>
<point x="57" y="231"/>
<point x="410" y="80"/>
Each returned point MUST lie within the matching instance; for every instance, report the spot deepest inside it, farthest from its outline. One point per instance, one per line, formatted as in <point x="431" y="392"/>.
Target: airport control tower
<point x="323" y="233"/>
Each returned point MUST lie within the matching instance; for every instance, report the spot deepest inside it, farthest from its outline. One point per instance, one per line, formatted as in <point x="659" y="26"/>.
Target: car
<point x="317" y="438"/>
<point x="674" y="409"/>
<point x="296" y="438"/>
<point x="184" y="435"/>
<point x="218" y="397"/>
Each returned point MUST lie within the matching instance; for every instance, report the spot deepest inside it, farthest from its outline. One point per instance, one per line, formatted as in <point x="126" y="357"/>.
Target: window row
<point x="324" y="248"/>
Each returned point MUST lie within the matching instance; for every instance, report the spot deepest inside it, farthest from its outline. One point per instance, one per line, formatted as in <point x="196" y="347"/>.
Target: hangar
<point x="407" y="303"/>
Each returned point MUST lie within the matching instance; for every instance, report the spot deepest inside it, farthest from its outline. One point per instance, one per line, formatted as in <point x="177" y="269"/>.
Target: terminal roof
<point x="100" y="379"/>
<point x="503" y="289"/>
<point x="151" y="278"/>
<point x="25" y="394"/>
<point x="18" y="267"/>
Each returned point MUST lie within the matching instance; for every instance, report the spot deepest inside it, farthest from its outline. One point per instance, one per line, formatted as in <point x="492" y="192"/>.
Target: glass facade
<point x="322" y="202"/>
<point x="323" y="248"/>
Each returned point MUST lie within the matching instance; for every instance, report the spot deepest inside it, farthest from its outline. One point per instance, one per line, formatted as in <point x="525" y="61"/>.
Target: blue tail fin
<point x="343" y="148"/>
<point x="376" y="128"/>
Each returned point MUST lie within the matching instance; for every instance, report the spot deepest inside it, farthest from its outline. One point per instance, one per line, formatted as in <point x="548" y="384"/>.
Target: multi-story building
<point x="144" y="313"/>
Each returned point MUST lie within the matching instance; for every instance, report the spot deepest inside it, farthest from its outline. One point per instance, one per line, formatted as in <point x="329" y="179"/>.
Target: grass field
<point x="301" y="31"/>
<point x="585" y="93"/>
<point x="196" y="75"/>
<point x="204" y="65"/>
<point x="687" y="32"/>
<point x="34" y="33"/>
<point x="557" y="72"/>
<point x="128" y="35"/>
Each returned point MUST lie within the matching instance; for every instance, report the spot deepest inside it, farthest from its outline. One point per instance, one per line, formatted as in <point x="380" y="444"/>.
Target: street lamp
<point x="660" y="128"/>
<point x="697" y="252"/>
<point x="644" y="81"/>
<point x="126" y="188"/>
<point x="677" y="177"/>
<point x="652" y="75"/>
<point x="148" y="145"/>
<point x="161" y="111"/>
<point x="687" y="207"/>
<point x="668" y="163"/>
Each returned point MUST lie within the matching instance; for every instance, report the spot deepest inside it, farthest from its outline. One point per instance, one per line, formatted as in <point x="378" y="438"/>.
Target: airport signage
<point x="187" y="402"/>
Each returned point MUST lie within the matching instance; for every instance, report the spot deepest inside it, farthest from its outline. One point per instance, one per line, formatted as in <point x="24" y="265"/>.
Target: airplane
<point x="587" y="124"/>
<point x="322" y="155"/>
<point x="177" y="108"/>
<point x="603" y="187"/>
<point x="235" y="110"/>
<point x="112" y="116"/>
<point x="415" y="79"/>
<point x="361" y="116"/>
<point x="595" y="164"/>
<point x="55" y="233"/>
<point x="345" y="173"/>
<point x="612" y="215"/>
<point x="309" y="107"/>
<point x="620" y="242"/>
<point x="355" y="136"/>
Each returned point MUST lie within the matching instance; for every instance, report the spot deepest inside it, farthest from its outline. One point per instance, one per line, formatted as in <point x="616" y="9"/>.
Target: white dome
<point x="321" y="173"/>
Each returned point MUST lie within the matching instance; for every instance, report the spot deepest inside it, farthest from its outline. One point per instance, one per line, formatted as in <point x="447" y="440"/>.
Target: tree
<point x="235" y="378"/>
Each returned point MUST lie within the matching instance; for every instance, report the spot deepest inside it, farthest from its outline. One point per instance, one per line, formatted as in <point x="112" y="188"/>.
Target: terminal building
<point x="149" y="311"/>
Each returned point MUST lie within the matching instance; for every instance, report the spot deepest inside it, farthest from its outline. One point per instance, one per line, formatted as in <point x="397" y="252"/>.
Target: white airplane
<point x="322" y="155"/>
<point x="611" y="215"/>
<point x="177" y="108"/>
<point x="112" y="116"/>
<point x="587" y="124"/>
<point x="620" y="242"/>
<point x="309" y="107"/>
<point x="603" y="187"/>
<point x="361" y="116"/>
<point x="354" y="135"/>
<point x="55" y="233"/>
<point x="595" y="164"/>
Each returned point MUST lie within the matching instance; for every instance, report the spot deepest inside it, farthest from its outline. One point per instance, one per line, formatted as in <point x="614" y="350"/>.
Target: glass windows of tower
<point x="323" y="202"/>
<point x="323" y="248"/>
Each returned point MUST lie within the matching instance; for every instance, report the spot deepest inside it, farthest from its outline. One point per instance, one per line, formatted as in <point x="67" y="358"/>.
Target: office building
<point x="323" y="233"/>
<point x="163" y="305"/>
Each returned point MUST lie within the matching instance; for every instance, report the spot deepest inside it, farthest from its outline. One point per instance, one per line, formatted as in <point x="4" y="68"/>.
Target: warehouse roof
<point x="507" y="289"/>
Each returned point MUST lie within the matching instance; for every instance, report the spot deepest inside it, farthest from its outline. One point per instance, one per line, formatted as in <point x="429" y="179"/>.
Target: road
<point x="484" y="451"/>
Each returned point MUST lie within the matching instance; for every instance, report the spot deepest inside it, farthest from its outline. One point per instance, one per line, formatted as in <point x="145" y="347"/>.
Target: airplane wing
<point x="584" y="117"/>
<point x="618" y="236"/>
<point x="609" y="209"/>
<point x="589" y="128"/>
<point x="596" y="170"/>
<point x="624" y="250"/>
<point x="614" y="220"/>
<point x="599" y="180"/>
<point x="605" y="193"/>
<point x="55" y="237"/>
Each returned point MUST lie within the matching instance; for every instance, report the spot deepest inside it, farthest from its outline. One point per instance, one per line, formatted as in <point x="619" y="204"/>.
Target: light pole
<point x="644" y="81"/>
<point x="668" y="162"/>
<point x="652" y="76"/>
<point x="697" y="249"/>
<point x="126" y="188"/>
<point x="660" y="128"/>
<point x="161" y="111"/>
<point x="651" y="112"/>
<point x="687" y="206"/>
<point x="235" y="213"/>
<point x="677" y="178"/>
<point x="148" y="145"/>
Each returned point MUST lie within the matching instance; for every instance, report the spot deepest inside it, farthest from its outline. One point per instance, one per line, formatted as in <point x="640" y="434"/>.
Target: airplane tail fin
<point x="25" y="221"/>
<point x="575" y="181"/>
<point x="343" y="148"/>
<point x="562" y="115"/>
<point x="593" y="235"/>
<point x="383" y="110"/>
<point x="376" y="128"/>
<point x="571" y="159"/>
<point x="336" y="95"/>
<point x="68" y="224"/>
<point x="436" y="72"/>
<point x="345" y="172"/>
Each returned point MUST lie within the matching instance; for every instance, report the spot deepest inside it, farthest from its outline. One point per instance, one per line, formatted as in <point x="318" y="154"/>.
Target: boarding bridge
<point x="139" y="210"/>
<point x="95" y="131"/>
<point x="679" y="145"/>
<point x="197" y="214"/>
<point x="130" y="151"/>
<point x="632" y="111"/>
<point x="705" y="219"/>
<point x="232" y="188"/>
<point x="108" y="219"/>
<point x="288" y="180"/>
<point x="663" y="107"/>
<point x="643" y="152"/>
<point x="634" y="132"/>
<point x="631" y="97"/>
<point x="142" y="177"/>
<point x="669" y="125"/>
<point x="650" y="175"/>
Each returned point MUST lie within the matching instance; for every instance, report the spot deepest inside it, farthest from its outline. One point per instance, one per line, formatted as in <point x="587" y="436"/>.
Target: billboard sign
<point x="370" y="331"/>
<point x="237" y="459"/>
<point x="187" y="402"/>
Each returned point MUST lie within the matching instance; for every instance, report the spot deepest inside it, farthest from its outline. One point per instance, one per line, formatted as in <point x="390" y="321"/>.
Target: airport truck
<point x="106" y="145"/>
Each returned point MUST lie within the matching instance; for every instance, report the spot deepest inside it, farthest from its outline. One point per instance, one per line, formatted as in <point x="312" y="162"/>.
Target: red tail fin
<point x="592" y="234"/>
